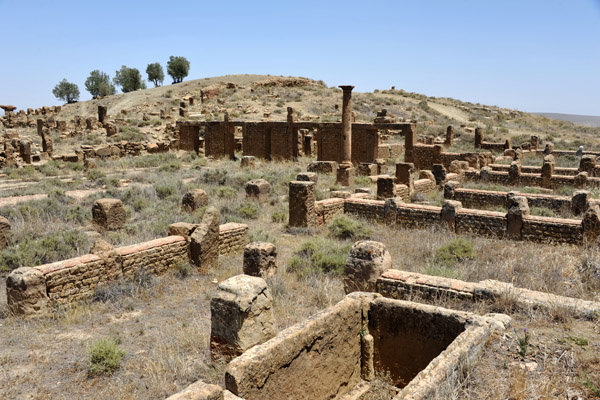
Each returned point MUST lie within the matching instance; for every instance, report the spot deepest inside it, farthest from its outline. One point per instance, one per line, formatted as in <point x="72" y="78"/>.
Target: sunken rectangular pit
<point x="341" y="352"/>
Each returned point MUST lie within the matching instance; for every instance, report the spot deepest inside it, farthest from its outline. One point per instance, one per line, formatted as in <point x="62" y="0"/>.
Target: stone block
<point x="450" y="189"/>
<point x="258" y="189"/>
<point x="449" y="210"/>
<point x="193" y="200"/>
<point x="588" y="164"/>
<point x="302" y="204"/>
<point x="579" y="202"/>
<point x="404" y="174"/>
<point x="241" y="315"/>
<point x="517" y="210"/>
<point x="4" y="232"/>
<point x="386" y="187"/>
<point x="102" y="111"/>
<point x="514" y="173"/>
<point x="591" y="225"/>
<point x="580" y="180"/>
<point x="108" y="214"/>
<point x="248" y="162"/>
<point x="323" y="167"/>
<point x="204" y="241"/>
<point x="308" y="177"/>
<point x="26" y="291"/>
<point x="366" y="262"/>
<point x="425" y="174"/>
<point x="184" y="229"/>
<point x="439" y="173"/>
<point x="260" y="259"/>
<point x="345" y="175"/>
<point x="111" y="129"/>
<point x="199" y="390"/>
<point x="368" y="169"/>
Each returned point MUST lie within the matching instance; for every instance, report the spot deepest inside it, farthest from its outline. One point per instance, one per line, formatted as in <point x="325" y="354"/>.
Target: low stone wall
<point x="480" y="222"/>
<point x="473" y="198"/>
<point x="526" y="179"/>
<point x="529" y="169"/>
<point x="232" y="237"/>
<point x="76" y="279"/>
<point x="327" y="210"/>
<point x="397" y="284"/>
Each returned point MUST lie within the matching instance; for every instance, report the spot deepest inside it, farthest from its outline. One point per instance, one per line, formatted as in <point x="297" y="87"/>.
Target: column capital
<point x="346" y="88"/>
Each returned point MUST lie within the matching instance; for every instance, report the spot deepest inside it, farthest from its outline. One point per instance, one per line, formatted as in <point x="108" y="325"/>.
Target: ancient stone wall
<point x="328" y="209"/>
<point x="232" y="237"/>
<point x="484" y="223"/>
<point x="189" y="136"/>
<point x="219" y="140"/>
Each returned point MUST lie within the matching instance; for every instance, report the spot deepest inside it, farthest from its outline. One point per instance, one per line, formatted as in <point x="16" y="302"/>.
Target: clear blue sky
<point x="528" y="55"/>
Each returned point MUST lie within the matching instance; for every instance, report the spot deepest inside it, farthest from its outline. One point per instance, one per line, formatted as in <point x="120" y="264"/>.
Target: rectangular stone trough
<point x="338" y="353"/>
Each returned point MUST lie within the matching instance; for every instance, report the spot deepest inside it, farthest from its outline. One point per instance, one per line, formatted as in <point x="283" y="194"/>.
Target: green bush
<point x="344" y="227"/>
<point x="248" y="210"/>
<point x="453" y="252"/>
<point x="278" y="217"/>
<point x="95" y="175"/>
<point x="104" y="357"/>
<point x="318" y="255"/>
<point x="542" y="212"/>
<point x="224" y="192"/>
<point x="164" y="190"/>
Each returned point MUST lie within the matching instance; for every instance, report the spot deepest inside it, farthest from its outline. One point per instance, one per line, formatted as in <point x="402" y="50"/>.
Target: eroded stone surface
<point x="26" y="291"/>
<point x="366" y="262"/>
<point x="109" y="214"/>
<point x="260" y="259"/>
<point x="204" y="243"/>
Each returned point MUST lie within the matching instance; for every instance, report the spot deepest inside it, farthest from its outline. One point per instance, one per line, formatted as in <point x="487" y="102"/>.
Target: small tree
<point x="155" y="73"/>
<point x="178" y="68"/>
<point x="66" y="91"/>
<point x="129" y="79"/>
<point x="98" y="84"/>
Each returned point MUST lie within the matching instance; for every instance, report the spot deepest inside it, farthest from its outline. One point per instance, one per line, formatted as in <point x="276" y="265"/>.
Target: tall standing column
<point x="345" y="175"/>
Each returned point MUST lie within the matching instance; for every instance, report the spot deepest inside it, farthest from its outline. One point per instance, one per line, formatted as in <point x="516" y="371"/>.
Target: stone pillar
<point x="449" y="136"/>
<point x="579" y="202"/>
<point x="193" y="200"/>
<point x="260" y="259"/>
<point x="478" y="137"/>
<point x="365" y="264"/>
<point x="514" y="173"/>
<point x="25" y="150"/>
<point x="591" y="225"/>
<point x="241" y="316"/>
<point x="439" y="172"/>
<point x="258" y="189"/>
<point x="101" y="114"/>
<point x="517" y="210"/>
<point x="437" y="153"/>
<point x="404" y="175"/>
<point x="450" y="189"/>
<point x="410" y="139"/>
<point x="4" y="232"/>
<point x="535" y="142"/>
<point x="547" y="171"/>
<point x="588" y="164"/>
<point x="204" y="242"/>
<point x="302" y="204"/>
<point x="386" y="187"/>
<point x="449" y="210"/>
<point x="549" y="148"/>
<point x="248" y="162"/>
<point x="345" y="175"/>
<point x="580" y="180"/>
<point x="40" y="127"/>
<point x="108" y="214"/>
<point x="508" y="144"/>
<point x="26" y="291"/>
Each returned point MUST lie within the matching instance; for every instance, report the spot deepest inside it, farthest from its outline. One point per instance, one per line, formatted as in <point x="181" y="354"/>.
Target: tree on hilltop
<point x="66" y="91"/>
<point x="178" y="68"/>
<point x="130" y="79"/>
<point x="99" y="85"/>
<point x="155" y="73"/>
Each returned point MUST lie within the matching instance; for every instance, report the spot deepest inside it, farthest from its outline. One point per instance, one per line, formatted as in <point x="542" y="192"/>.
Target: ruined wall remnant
<point x="260" y="259"/>
<point x="366" y="262"/>
<point x="108" y="214"/>
<point x="302" y="204"/>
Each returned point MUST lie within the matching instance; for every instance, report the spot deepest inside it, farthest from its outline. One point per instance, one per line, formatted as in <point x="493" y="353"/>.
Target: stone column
<point x="40" y="127"/>
<point x="449" y="135"/>
<point x="345" y="175"/>
<point x="439" y="172"/>
<point x="478" y="137"/>
<point x="535" y="142"/>
<point x="365" y="264"/>
<point x="101" y="114"/>
<point x="410" y="138"/>
<point x="514" y="173"/>
<point x="302" y="204"/>
<point x="591" y="225"/>
<point x="404" y="174"/>
<point x="588" y="164"/>
<point x="449" y="210"/>
<point x="517" y="210"/>
<point x="547" y="171"/>
<point x="579" y="202"/>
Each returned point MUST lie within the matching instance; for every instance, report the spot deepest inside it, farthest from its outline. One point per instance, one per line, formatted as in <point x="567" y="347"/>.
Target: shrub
<point x="247" y="210"/>
<point x="224" y="192"/>
<point x="95" y="175"/>
<point x="344" y="227"/>
<point x="184" y="269"/>
<point x="164" y="190"/>
<point x="278" y="217"/>
<point x="542" y="212"/>
<point x="104" y="357"/>
<point x="453" y="252"/>
<point x="318" y="255"/>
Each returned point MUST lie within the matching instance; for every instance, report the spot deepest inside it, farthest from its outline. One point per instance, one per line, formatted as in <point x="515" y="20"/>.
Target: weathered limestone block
<point x="368" y="169"/>
<point x="386" y="187"/>
<point x="111" y="129"/>
<point x="323" y="167"/>
<point x="88" y="164"/>
<point x="91" y="123"/>
<point x="449" y="136"/>
<point x="580" y="180"/>
<point x="193" y="200"/>
<point x="248" y="162"/>
<point x="25" y="151"/>
<point x="204" y="244"/>
<point x="425" y="174"/>
<point x="404" y="174"/>
<point x="184" y="229"/>
<point x="241" y="315"/>
<point x="484" y="174"/>
<point x="549" y="148"/>
<point x="591" y="225"/>
<point x="366" y="262"/>
<point x="102" y="111"/>
<point x="199" y="391"/>
<point x="456" y="166"/>
<point x="302" y="204"/>
<point x="4" y="232"/>
<point x="260" y="259"/>
<point x="308" y="177"/>
<point x="579" y="202"/>
<point x="439" y="172"/>
<point x="517" y="210"/>
<point x="390" y="210"/>
<point x="258" y="189"/>
<point x="345" y="175"/>
<point x="514" y="173"/>
<point x="108" y="214"/>
<point x="587" y="164"/>
<point x="449" y="210"/>
<point x="450" y="189"/>
<point x="547" y="171"/>
<point x="26" y="291"/>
